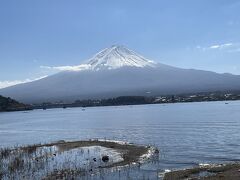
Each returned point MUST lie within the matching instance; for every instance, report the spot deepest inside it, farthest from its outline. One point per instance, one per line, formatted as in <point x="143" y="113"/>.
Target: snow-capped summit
<point x="118" y="56"/>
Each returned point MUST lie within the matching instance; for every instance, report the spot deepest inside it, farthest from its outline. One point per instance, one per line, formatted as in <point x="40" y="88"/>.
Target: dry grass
<point x="5" y="152"/>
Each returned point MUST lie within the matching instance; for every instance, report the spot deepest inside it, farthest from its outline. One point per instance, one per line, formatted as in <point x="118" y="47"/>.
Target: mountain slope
<point x="117" y="71"/>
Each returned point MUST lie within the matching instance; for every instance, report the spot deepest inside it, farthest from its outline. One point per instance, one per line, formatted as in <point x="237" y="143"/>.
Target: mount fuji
<point x="118" y="71"/>
<point x="117" y="57"/>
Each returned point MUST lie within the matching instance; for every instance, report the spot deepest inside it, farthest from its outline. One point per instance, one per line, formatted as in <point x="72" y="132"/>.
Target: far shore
<point x="65" y="106"/>
<point x="83" y="107"/>
<point x="131" y="100"/>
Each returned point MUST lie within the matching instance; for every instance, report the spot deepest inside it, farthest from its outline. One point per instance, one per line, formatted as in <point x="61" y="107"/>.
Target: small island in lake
<point x="74" y="159"/>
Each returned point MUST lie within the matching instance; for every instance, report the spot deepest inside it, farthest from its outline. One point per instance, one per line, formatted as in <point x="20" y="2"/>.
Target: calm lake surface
<point x="186" y="133"/>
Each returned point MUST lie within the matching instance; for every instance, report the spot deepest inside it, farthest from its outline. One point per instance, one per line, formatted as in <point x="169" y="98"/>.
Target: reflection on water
<point x="186" y="133"/>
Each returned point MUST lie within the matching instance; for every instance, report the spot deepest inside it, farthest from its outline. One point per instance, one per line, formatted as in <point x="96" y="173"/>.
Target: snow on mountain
<point x="117" y="57"/>
<point x="110" y="58"/>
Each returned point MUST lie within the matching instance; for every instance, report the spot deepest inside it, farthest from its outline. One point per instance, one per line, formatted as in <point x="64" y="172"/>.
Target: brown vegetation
<point x="211" y="172"/>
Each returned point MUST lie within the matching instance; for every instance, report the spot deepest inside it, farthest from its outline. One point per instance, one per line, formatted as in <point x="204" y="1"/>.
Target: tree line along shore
<point x="139" y="100"/>
<point x="8" y="104"/>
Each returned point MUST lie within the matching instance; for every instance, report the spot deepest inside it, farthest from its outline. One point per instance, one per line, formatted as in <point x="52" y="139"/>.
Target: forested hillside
<point x="8" y="104"/>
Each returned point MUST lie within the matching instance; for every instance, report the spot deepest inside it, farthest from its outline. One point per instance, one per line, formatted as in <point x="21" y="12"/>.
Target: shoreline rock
<point x="207" y="172"/>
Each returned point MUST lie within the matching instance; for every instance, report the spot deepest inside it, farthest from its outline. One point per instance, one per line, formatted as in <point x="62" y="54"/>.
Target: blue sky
<point x="199" y="34"/>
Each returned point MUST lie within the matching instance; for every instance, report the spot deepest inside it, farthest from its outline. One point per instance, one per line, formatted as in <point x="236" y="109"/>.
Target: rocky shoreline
<point x="229" y="171"/>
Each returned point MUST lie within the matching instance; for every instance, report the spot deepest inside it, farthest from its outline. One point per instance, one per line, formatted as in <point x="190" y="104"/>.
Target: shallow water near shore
<point x="187" y="134"/>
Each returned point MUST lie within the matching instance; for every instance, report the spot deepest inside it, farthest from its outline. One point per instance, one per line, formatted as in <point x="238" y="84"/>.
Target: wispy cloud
<point x="68" y="68"/>
<point x="228" y="47"/>
<point x="221" y="46"/>
<point x="4" y="84"/>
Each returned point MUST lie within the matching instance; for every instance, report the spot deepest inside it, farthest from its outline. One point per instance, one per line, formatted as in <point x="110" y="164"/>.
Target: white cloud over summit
<point x="68" y="68"/>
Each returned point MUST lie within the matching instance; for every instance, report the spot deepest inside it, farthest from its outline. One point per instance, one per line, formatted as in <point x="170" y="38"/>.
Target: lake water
<point x="187" y="134"/>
